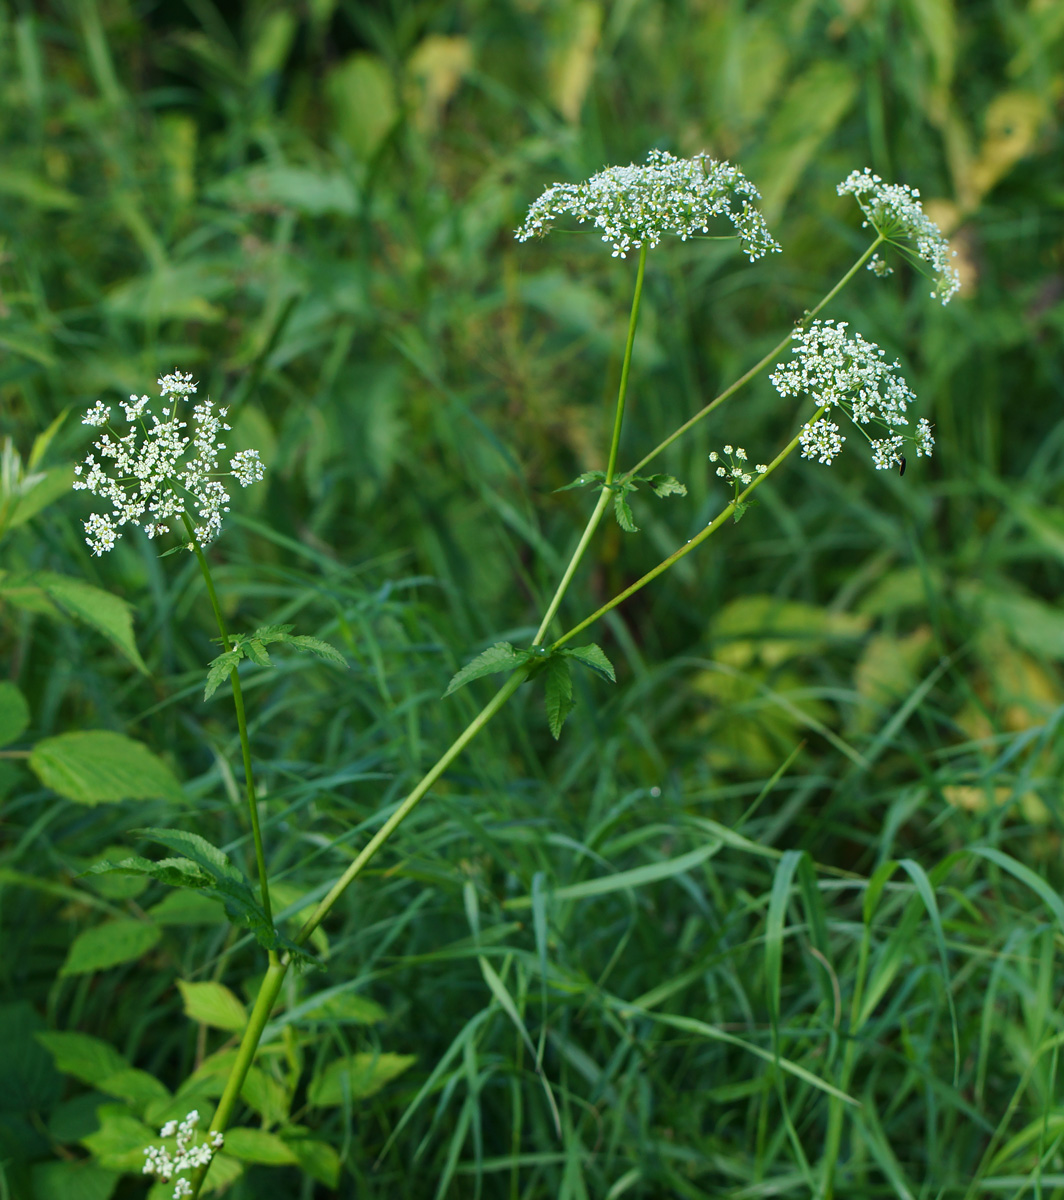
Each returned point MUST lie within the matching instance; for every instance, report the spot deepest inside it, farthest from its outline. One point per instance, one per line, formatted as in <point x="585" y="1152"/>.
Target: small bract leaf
<point x="623" y="512"/>
<point x="500" y="657"/>
<point x="559" y="694"/>
<point x="593" y="657"/>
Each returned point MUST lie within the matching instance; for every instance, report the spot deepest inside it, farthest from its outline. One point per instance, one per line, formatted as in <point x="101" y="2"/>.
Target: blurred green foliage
<point x="310" y="206"/>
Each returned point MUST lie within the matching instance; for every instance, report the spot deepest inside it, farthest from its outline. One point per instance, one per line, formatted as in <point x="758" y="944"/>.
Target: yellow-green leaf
<point x="356" y="1076"/>
<point x="108" y="945"/>
<point x="97" y="767"/>
<point x="213" y="1004"/>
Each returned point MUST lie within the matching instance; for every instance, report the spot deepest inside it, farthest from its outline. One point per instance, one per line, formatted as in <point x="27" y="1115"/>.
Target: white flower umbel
<point x="636" y="206"/>
<point x="736" y="469"/>
<point x="844" y="371"/>
<point x="187" y="1154"/>
<point x="895" y="211"/>
<point x="154" y="472"/>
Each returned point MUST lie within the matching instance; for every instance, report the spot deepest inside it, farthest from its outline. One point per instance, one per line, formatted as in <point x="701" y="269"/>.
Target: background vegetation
<point x="310" y="206"/>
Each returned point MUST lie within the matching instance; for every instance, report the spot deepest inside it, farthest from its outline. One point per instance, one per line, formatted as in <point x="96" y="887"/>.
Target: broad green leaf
<point x="361" y="93"/>
<point x="559" y="694"/>
<point x="108" y="945"/>
<point x="48" y="487"/>
<point x="79" y="1179"/>
<point x="343" y="1007"/>
<point x="14" y="713"/>
<point x="187" y="908"/>
<point x="593" y="657"/>
<point x="105" y="613"/>
<point x="258" y="1146"/>
<point x="623" y="512"/>
<point x="137" y="1088"/>
<point x="213" y="1004"/>
<point x="266" y="1096"/>
<point x="88" y="1059"/>
<point x="98" y="767"/>
<point x="355" y="1077"/>
<point x="500" y="657"/>
<point x="118" y="1145"/>
<point x="318" y="1159"/>
<point x="58" y="595"/>
<point x="269" y="186"/>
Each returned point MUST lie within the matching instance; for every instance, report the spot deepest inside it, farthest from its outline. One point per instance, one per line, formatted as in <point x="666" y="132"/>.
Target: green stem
<point x="758" y="367"/>
<point x="241" y="719"/>
<point x="271" y="984"/>
<point x="697" y="540"/>
<point x="611" y="463"/>
<point x="622" y="391"/>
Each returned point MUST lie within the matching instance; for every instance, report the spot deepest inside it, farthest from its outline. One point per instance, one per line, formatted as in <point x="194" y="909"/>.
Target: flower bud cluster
<point x="849" y="373"/>
<point x="895" y="211"/>
<point x="638" y="205"/>
<point x="153" y="473"/>
<point x="188" y="1155"/>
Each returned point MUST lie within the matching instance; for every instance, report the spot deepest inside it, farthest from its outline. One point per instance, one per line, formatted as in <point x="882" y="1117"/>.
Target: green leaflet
<point x="660" y="485"/>
<point x="500" y="657"/>
<point x="253" y="646"/>
<point x="543" y="661"/>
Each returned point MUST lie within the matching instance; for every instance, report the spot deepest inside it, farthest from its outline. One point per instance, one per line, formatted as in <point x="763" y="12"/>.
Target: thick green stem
<point x="241" y="720"/>
<point x="611" y="462"/>
<point x="758" y="367"/>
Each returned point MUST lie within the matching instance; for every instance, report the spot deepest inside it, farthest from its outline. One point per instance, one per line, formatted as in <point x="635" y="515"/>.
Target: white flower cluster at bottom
<point x="188" y="1156"/>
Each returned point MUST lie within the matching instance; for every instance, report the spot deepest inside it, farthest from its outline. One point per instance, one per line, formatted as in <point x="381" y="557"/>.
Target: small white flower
<point x="925" y="442"/>
<point x="886" y="452"/>
<point x="636" y="206"/>
<point x="739" y="475"/>
<point x="821" y="440"/>
<point x="99" y="414"/>
<point x="761" y="469"/>
<point x="188" y="1155"/>
<point x="156" y="473"/>
<point x="844" y="371"/>
<point x="895" y="211"/>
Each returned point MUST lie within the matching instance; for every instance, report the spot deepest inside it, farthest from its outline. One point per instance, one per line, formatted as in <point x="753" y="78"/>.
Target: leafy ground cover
<point x="780" y="913"/>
